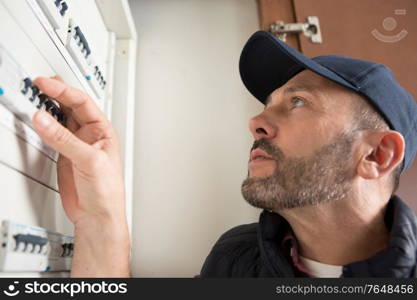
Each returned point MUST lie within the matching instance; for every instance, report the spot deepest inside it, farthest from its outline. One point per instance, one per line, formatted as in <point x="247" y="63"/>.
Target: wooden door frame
<point x="272" y="10"/>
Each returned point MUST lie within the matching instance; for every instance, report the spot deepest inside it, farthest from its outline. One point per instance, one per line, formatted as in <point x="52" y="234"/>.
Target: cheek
<point x="302" y="139"/>
<point x="313" y="135"/>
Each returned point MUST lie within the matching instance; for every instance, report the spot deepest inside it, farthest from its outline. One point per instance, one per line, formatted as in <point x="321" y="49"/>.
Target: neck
<point x="339" y="232"/>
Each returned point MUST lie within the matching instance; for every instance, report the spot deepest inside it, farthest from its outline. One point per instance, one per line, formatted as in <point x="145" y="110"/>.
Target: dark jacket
<point x="254" y="250"/>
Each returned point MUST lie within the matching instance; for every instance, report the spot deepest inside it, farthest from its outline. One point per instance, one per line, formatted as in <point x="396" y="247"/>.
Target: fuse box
<point x="29" y="248"/>
<point x="57" y="12"/>
<point x="78" y="40"/>
<point x="20" y="95"/>
<point x="22" y="98"/>
<point x="79" y="48"/>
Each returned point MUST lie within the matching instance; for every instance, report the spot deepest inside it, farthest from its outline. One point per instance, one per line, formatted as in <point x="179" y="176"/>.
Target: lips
<point x="258" y="154"/>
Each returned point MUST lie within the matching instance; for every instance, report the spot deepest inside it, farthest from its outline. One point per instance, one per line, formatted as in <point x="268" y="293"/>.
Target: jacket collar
<point x="271" y="231"/>
<point x="397" y="260"/>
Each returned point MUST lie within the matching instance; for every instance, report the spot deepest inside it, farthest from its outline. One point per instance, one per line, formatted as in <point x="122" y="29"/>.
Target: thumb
<point x="60" y="138"/>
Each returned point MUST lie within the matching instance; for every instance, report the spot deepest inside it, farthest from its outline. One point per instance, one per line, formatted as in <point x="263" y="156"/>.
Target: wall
<point x="192" y="138"/>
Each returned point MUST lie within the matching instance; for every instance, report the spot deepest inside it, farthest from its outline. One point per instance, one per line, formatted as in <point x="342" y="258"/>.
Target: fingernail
<point x="43" y="119"/>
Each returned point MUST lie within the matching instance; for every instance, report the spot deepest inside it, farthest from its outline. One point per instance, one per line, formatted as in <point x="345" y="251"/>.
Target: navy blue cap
<point x="267" y="63"/>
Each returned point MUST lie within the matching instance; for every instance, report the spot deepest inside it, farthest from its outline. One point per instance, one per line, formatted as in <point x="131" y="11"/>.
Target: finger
<point x="84" y="108"/>
<point x="92" y="133"/>
<point x="100" y="145"/>
<point x="57" y="77"/>
<point x="61" y="139"/>
<point x="64" y="109"/>
<point x="71" y="124"/>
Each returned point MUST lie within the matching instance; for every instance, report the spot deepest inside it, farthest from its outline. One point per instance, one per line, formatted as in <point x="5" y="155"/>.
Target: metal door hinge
<point x="310" y="29"/>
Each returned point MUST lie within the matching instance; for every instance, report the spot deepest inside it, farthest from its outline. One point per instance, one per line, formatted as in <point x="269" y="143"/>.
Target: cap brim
<point x="267" y="63"/>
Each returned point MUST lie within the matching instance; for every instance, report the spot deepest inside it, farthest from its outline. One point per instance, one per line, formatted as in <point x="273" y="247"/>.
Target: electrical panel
<point x="29" y="248"/>
<point x="73" y="39"/>
<point x="79" y="48"/>
<point x="20" y="95"/>
<point x="62" y="19"/>
<point x="22" y="98"/>
<point x="58" y="15"/>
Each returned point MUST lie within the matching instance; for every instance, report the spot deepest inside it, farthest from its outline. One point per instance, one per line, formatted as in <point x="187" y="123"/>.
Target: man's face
<point x="302" y="153"/>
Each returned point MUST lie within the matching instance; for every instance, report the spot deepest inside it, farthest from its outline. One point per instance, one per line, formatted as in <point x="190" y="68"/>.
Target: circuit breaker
<point x="57" y="13"/>
<point x="76" y="39"/>
<point x="79" y="48"/>
<point x="28" y="248"/>
<point x="20" y="95"/>
<point x="20" y="99"/>
<point x="27" y="165"/>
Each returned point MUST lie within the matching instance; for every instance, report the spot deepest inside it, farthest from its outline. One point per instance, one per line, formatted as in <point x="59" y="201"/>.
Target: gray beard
<point x="296" y="182"/>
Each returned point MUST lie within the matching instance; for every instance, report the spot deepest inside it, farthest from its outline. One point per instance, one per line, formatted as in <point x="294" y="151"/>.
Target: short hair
<point x="366" y="116"/>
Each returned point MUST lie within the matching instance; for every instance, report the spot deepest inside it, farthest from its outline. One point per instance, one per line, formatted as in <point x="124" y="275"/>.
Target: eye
<point x="297" y="101"/>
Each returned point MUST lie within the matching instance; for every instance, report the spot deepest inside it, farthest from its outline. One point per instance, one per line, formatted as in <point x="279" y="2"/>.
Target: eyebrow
<point x="297" y="88"/>
<point x="291" y="89"/>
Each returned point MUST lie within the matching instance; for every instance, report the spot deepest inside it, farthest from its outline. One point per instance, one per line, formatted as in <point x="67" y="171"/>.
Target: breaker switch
<point x="27" y="239"/>
<point x="67" y="249"/>
<point x="64" y="8"/>
<point x="52" y="108"/>
<point x="55" y="111"/>
<point x="48" y="105"/>
<point x="80" y="51"/>
<point x="61" y="118"/>
<point x="27" y="83"/>
<point x="82" y="41"/>
<point x="33" y="249"/>
<point x="35" y="92"/>
<point x="42" y="99"/>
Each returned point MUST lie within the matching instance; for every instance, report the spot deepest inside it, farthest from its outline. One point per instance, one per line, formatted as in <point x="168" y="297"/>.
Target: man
<point x="329" y="147"/>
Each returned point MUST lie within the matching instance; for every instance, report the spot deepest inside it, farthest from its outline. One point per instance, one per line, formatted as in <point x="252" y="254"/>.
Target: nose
<point x="261" y="127"/>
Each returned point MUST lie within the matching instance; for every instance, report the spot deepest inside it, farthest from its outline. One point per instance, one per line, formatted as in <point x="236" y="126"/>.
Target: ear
<point x="381" y="152"/>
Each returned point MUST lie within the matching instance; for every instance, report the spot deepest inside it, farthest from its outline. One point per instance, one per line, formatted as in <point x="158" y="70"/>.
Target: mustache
<point x="265" y="145"/>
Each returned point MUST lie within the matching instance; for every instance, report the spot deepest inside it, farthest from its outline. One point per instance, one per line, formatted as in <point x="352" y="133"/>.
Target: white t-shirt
<point x="318" y="269"/>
